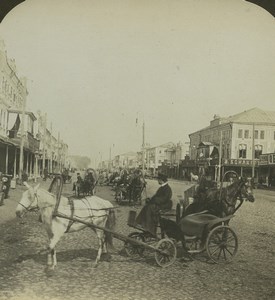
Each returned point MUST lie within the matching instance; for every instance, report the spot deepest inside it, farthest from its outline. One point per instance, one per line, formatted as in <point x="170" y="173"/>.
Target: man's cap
<point x="162" y="177"/>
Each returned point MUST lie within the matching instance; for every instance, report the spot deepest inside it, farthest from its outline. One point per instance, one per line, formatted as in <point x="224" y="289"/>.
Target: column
<point x="7" y="159"/>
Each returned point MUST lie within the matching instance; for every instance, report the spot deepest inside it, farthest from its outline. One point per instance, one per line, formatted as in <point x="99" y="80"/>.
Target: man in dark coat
<point x="148" y="216"/>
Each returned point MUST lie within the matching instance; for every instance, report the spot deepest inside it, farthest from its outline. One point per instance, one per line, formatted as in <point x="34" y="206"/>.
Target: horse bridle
<point x="33" y="208"/>
<point x="238" y="191"/>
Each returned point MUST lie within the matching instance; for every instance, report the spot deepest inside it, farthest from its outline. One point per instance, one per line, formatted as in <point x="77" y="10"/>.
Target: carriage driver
<point x="148" y="216"/>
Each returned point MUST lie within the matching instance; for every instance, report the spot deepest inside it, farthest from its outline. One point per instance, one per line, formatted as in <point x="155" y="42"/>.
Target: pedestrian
<point x="24" y="176"/>
<point x="269" y="180"/>
<point x="45" y="173"/>
<point x="149" y="214"/>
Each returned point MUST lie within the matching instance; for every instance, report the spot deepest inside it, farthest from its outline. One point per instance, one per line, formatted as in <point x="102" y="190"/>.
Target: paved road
<point x="22" y="273"/>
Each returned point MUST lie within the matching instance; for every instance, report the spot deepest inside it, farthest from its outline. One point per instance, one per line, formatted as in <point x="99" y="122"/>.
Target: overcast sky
<point x="95" y="66"/>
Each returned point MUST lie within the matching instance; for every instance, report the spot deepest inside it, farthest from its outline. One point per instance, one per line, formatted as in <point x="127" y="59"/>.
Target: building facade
<point x="234" y="143"/>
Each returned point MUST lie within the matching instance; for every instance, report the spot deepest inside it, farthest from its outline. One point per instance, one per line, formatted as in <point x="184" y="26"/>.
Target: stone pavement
<point x="23" y="275"/>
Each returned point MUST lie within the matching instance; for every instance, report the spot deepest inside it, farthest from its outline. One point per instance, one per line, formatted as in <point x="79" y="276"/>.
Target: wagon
<point x="196" y="233"/>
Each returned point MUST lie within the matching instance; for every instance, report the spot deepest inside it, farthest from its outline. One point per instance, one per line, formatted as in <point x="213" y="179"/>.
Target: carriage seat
<point x="195" y="224"/>
<point x="167" y="213"/>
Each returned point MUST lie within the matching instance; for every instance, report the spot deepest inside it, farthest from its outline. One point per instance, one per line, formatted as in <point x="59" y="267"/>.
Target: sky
<point x="99" y="69"/>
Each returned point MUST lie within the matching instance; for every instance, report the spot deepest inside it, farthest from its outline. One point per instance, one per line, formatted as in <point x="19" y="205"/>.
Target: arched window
<point x="242" y="151"/>
<point x="258" y="151"/>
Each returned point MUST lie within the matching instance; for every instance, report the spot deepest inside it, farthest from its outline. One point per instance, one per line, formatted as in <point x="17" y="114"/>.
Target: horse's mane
<point x="49" y="197"/>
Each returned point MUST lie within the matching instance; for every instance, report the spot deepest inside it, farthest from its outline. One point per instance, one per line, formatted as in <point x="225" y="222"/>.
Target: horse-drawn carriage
<point x="130" y="194"/>
<point x="197" y="228"/>
<point x="85" y="186"/>
<point x="196" y="232"/>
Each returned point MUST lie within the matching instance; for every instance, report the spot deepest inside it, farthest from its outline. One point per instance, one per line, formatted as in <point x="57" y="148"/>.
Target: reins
<point x="221" y="199"/>
<point x="233" y="196"/>
<point x="59" y="186"/>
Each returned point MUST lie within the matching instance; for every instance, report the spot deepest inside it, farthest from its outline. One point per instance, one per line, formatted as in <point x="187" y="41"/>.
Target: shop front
<point x="243" y="167"/>
<point x="267" y="169"/>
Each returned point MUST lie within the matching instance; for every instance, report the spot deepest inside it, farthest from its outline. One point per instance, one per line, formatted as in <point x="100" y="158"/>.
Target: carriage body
<point x="84" y="187"/>
<point x="196" y="233"/>
<point x="131" y="194"/>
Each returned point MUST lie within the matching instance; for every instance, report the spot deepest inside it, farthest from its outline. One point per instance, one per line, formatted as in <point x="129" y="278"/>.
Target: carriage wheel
<point x="222" y="244"/>
<point x="132" y="249"/>
<point x="167" y="253"/>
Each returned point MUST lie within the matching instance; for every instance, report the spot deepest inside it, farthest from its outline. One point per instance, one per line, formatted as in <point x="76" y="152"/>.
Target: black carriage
<point x="196" y="233"/>
<point x="84" y="188"/>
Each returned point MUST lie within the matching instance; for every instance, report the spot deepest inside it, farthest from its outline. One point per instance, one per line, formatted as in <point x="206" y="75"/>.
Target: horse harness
<point x="235" y="194"/>
<point x="72" y="209"/>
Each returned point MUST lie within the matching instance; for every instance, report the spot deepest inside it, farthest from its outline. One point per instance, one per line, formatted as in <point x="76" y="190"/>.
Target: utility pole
<point x="253" y="150"/>
<point x="51" y="153"/>
<point x="44" y="122"/>
<point x="220" y="159"/>
<point x="110" y="158"/>
<point x="58" y="154"/>
<point x="21" y="157"/>
<point x="143" y="147"/>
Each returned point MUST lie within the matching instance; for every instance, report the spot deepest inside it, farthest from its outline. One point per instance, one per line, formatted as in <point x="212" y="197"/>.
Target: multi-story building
<point x="155" y="156"/>
<point x="30" y="142"/>
<point x="234" y="143"/>
<point x="53" y="152"/>
<point x="126" y="160"/>
<point x="13" y="93"/>
<point x="174" y="156"/>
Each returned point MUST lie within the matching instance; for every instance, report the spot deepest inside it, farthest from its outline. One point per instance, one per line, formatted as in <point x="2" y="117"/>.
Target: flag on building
<point x="15" y="128"/>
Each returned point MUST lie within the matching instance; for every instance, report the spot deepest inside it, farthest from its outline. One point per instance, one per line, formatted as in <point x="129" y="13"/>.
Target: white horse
<point x="91" y="209"/>
<point x="194" y="177"/>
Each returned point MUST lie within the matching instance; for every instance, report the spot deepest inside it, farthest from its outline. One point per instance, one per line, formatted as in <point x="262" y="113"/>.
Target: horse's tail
<point x="110" y="224"/>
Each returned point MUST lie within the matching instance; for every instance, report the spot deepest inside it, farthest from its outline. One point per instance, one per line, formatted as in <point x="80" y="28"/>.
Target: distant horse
<point x="194" y="177"/>
<point x="91" y="209"/>
<point x="223" y="202"/>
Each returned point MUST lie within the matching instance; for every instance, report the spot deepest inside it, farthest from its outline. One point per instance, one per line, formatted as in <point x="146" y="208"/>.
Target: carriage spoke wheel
<point x="222" y="244"/>
<point x="134" y="250"/>
<point x="166" y="253"/>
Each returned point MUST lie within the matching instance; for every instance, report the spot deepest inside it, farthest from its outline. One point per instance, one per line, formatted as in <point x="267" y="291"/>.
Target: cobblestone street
<point x="23" y="275"/>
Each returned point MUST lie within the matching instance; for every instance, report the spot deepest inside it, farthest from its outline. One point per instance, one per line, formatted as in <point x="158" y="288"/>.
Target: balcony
<point x="30" y="142"/>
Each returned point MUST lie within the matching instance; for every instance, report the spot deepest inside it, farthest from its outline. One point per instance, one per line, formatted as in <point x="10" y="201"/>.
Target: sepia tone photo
<point x="137" y="150"/>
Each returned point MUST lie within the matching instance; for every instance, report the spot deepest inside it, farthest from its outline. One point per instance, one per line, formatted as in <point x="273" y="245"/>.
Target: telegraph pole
<point x="44" y="122"/>
<point x="51" y="153"/>
<point x="253" y="150"/>
<point x="143" y="147"/>
<point x="220" y="160"/>
<point x="21" y="157"/>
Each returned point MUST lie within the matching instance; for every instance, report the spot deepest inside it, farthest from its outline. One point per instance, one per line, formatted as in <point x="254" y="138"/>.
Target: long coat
<point x="148" y="216"/>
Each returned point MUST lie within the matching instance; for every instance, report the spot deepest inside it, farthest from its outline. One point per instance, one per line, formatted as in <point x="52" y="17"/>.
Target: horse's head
<point x="28" y="201"/>
<point x="246" y="189"/>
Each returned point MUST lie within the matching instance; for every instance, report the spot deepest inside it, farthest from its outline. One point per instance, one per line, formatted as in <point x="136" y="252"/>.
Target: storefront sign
<point x="239" y="162"/>
<point x="263" y="159"/>
<point x="267" y="159"/>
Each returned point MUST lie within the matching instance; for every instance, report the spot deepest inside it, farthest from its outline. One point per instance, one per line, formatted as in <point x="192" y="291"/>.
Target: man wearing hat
<point x="148" y="216"/>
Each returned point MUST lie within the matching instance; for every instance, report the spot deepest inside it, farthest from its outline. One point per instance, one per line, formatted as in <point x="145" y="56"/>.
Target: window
<point x="262" y="135"/>
<point x="240" y="133"/>
<point x="228" y="151"/>
<point x="246" y="134"/>
<point x="242" y="151"/>
<point x="256" y="134"/>
<point x="258" y="151"/>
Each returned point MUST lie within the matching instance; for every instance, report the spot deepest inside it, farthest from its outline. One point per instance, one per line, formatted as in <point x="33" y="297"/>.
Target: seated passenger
<point x="136" y="185"/>
<point x="148" y="216"/>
